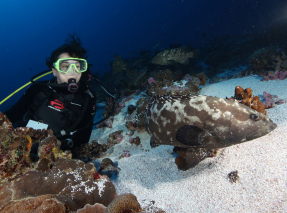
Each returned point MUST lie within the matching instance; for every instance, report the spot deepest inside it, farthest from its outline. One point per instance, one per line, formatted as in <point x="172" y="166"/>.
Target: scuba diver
<point x="66" y="103"/>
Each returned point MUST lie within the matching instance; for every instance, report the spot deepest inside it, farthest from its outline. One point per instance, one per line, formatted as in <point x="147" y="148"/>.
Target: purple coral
<point x="271" y="100"/>
<point x="151" y="80"/>
<point x="277" y="75"/>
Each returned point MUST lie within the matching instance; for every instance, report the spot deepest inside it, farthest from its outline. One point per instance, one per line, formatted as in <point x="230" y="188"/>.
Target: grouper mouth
<point x="261" y="132"/>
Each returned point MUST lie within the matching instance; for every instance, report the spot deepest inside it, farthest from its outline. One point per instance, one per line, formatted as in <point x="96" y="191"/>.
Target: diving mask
<point x="71" y="65"/>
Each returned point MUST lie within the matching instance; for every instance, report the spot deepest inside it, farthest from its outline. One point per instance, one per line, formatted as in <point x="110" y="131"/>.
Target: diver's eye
<point x="254" y="117"/>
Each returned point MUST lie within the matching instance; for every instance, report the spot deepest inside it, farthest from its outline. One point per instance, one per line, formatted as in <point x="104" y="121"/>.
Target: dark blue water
<point x="32" y="29"/>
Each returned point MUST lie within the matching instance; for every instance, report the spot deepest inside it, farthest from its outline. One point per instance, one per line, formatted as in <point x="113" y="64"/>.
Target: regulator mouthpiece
<point x="72" y="85"/>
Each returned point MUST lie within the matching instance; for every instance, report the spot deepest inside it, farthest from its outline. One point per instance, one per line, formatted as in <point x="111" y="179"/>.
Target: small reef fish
<point x="178" y="55"/>
<point x="199" y="125"/>
<point x="156" y="45"/>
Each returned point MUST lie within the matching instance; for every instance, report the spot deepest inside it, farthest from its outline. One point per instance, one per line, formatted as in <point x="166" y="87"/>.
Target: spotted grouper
<point x="199" y="125"/>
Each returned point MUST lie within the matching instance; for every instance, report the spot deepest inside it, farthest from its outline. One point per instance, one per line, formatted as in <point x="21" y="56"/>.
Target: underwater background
<point x="196" y="54"/>
<point x="31" y="30"/>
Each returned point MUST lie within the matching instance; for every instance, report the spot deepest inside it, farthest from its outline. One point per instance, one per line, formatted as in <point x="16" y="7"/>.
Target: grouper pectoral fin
<point x="194" y="136"/>
<point x="189" y="135"/>
<point x="153" y="143"/>
<point x="190" y="157"/>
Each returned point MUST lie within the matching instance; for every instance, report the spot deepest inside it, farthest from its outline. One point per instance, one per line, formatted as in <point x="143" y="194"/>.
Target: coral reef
<point x="125" y="154"/>
<point x="15" y="146"/>
<point x="134" y="78"/>
<point x="135" y="121"/>
<point x="118" y="64"/>
<point x="165" y="76"/>
<point x="264" y="59"/>
<point x="90" y="151"/>
<point x="117" y="109"/>
<point x="114" y="138"/>
<point x="277" y="75"/>
<point x="71" y="182"/>
<point x="135" y="140"/>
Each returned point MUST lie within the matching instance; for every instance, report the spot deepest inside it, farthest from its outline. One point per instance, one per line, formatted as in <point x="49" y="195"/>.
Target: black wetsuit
<point x="73" y="105"/>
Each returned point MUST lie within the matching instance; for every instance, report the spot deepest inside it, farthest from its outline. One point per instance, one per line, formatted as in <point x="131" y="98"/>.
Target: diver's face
<point x="64" y="77"/>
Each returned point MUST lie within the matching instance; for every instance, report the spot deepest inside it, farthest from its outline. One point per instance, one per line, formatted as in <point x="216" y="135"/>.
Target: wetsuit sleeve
<point x="18" y="110"/>
<point x="83" y="135"/>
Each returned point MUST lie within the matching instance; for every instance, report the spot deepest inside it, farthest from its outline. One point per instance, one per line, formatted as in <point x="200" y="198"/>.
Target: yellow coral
<point x="60" y="154"/>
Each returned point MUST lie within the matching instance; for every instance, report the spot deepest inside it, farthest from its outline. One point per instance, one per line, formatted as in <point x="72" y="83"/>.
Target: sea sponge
<point x="245" y="97"/>
<point x="238" y="92"/>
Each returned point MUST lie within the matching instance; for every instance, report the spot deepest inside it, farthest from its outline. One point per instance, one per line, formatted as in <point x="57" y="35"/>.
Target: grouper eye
<point x="254" y="117"/>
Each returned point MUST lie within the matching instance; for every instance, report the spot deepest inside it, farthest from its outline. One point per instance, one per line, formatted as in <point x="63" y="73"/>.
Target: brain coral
<point x="123" y="202"/>
<point x="71" y="178"/>
<point x="43" y="204"/>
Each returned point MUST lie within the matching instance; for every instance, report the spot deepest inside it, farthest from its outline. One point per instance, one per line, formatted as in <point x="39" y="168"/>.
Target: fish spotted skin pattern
<point x="176" y="55"/>
<point x="202" y="124"/>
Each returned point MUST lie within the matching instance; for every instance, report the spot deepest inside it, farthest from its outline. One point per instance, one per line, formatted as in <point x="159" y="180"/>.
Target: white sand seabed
<point x="261" y="164"/>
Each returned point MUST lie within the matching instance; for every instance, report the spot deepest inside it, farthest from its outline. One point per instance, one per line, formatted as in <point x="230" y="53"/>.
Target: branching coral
<point x="277" y="75"/>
